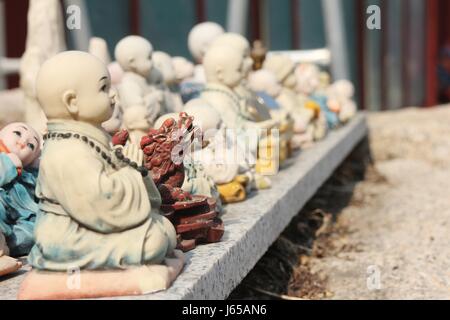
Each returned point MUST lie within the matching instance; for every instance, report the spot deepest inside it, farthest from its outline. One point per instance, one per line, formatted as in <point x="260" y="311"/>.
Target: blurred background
<point x="405" y="63"/>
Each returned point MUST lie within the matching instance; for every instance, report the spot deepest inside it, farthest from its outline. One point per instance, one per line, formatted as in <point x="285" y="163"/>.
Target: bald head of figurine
<point x="163" y="69"/>
<point x="240" y="44"/>
<point x="307" y="78"/>
<point x="266" y="81"/>
<point x="200" y="38"/>
<point x="184" y="69"/>
<point x="223" y="65"/>
<point x="75" y="85"/>
<point x="283" y="68"/>
<point x="134" y="54"/>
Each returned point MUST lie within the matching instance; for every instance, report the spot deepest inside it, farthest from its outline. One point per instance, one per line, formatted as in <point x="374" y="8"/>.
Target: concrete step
<point x="212" y="271"/>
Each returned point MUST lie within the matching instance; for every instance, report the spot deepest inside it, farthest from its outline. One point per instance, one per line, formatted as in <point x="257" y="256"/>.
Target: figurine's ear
<point x="70" y="101"/>
<point x="131" y="61"/>
<point x="219" y="73"/>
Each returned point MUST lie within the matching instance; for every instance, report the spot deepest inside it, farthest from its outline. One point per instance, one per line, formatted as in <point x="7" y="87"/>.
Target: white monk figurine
<point x="223" y="67"/>
<point x="199" y="39"/>
<point x="197" y="181"/>
<point x="134" y="54"/>
<point x="219" y="156"/>
<point x="304" y="114"/>
<point x="45" y="38"/>
<point x="255" y="108"/>
<point x="224" y="72"/>
<point x="340" y="99"/>
<point x="163" y="77"/>
<point x="99" y="208"/>
<point x="184" y="69"/>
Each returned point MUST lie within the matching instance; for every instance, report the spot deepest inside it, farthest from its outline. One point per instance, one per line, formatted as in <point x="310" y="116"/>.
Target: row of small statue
<point x="135" y="161"/>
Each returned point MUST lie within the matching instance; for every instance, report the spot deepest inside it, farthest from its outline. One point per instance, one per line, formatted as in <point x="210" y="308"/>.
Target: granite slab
<point x="212" y="271"/>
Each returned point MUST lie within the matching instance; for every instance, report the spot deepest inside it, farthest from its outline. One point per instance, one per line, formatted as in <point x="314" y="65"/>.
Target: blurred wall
<point x="391" y="68"/>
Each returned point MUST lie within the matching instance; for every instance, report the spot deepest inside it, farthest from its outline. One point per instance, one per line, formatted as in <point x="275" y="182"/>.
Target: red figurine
<point x="194" y="216"/>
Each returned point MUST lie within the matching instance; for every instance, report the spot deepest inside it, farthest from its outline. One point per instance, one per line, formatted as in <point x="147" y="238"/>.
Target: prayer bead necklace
<point x="235" y="100"/>
<point x="118" y="152"/>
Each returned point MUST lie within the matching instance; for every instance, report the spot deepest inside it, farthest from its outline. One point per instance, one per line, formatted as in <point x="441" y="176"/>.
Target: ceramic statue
<point x="187" y="88"/>
<point x="136" y="95"/>
<point x="116" y="72"/>
<point x="197" y="180"/>
<point x="223" y="66"/>
<point x="45" y="38"/>
<point x="254" y="108"/>
<point x="194" y="216"/>
<point x="99" y="48"/>
<point x="224" y="72"/>
<point x="218" y="155"/>
<point x="311" y="85"/>
<point x="184" y="69"/>
<point x="340" y="99"/>
<point x="20" y="147"/>
<point x="99" y="208"/>
<point x="258" y="54"/>
<point x="199" y="40"/>
<point x="265" y="84"/>
<point x="304" y="113"/>
<point x="163" y="77"/>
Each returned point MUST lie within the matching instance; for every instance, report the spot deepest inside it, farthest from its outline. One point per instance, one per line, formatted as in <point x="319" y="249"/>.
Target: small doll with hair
<point x="20" y="147"/>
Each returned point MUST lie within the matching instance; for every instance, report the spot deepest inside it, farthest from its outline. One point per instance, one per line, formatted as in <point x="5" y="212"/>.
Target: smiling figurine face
<point x="22" y="140"/>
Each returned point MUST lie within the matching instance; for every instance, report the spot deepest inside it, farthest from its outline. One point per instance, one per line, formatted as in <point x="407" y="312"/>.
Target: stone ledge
<point x="212" y="271"/>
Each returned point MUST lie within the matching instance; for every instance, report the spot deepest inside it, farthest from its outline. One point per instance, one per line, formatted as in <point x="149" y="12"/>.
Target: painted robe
<point x="93" y="216"/>
<point x="18" y="207"/>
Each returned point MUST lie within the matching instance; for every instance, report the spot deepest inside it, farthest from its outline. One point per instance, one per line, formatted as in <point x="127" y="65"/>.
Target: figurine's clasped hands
<point x="134" y="153"/>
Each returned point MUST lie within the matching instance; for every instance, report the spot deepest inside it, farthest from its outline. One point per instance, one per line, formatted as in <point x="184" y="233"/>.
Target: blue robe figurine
<point x="190" y="90"/>
<point x="332" y="117"/>
<point x="18" y="207"/>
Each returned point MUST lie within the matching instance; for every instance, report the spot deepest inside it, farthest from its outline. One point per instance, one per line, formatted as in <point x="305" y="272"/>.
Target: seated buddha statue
<point x="99" y="213"/>
<point x="254" y="107"/>
<point x="223" y="67"/>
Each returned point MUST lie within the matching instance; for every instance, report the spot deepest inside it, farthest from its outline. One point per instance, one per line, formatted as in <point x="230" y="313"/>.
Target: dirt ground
<point x="378" y="228"/>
